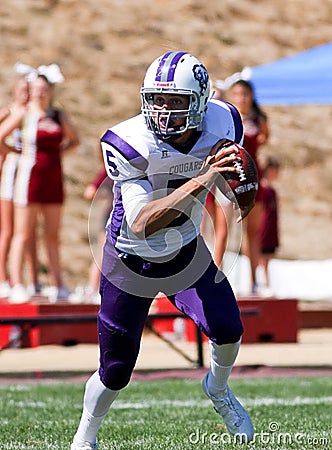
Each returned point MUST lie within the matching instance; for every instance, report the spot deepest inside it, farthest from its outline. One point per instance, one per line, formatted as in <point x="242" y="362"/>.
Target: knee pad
<point x="228" y="333"/>
<point x="118" y="355"/>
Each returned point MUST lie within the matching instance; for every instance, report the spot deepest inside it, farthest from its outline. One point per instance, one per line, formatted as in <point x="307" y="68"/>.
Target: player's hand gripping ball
<point x="242" y="186"/>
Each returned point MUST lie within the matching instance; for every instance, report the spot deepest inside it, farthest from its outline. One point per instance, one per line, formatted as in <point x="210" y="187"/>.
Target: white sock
<point x="97" y="401"/>
<point x="222" y="361"/>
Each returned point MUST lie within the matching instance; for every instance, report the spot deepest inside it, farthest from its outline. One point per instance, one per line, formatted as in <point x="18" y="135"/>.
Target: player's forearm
<point x="157" y="214"/>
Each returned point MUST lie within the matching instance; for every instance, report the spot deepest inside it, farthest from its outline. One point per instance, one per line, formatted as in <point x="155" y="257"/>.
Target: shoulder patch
<point x="126" y="150"/>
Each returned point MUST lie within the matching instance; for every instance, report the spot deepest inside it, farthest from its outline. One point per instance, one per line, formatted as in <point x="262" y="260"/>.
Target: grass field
<point x="288" y="413"/>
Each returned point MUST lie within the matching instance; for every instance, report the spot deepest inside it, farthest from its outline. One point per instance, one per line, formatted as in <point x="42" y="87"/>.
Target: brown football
<point x="242" y="186"/>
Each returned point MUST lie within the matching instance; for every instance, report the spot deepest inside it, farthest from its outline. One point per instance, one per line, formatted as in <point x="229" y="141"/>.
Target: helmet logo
<point x="201" y="75"/>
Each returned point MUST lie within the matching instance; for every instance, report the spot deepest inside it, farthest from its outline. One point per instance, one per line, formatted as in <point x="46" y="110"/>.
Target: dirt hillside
<point x="103" y="48"/>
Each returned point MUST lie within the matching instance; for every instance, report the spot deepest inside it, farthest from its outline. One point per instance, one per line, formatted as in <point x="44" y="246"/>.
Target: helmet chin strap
<point x="178" y="128"/>
<point x="172" y="131"/>
<point x="170" y="137"/>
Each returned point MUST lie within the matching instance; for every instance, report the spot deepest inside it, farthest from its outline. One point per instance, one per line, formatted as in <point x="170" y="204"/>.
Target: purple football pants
<point x="208" y="301"/>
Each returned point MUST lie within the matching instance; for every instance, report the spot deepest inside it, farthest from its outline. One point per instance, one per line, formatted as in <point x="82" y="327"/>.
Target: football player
<point x="163" y="162"/>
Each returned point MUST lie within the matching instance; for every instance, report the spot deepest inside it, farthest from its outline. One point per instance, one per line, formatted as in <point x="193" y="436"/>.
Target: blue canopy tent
<point x="302" y="79"/>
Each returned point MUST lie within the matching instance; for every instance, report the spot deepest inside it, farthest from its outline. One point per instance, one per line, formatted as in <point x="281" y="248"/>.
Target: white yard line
<point x="264" y="401"/>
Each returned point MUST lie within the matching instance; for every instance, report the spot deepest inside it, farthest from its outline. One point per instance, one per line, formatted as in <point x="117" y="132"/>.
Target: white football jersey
<point x="145" y="168"/>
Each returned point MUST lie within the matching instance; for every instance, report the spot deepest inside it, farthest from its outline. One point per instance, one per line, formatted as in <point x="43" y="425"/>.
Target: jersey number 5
<point x="111" y="164"/>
